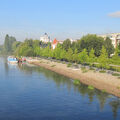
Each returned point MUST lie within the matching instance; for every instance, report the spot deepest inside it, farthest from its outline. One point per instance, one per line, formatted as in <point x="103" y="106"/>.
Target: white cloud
<point x="115" y="14"/>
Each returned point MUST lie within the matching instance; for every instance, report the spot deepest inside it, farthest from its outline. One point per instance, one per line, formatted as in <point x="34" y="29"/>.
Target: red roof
<point x="55" y="41"/>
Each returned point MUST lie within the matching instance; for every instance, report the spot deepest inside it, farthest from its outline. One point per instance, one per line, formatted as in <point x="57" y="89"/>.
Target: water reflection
<point x="82" y="89"/>
<point x="93" y="95"/>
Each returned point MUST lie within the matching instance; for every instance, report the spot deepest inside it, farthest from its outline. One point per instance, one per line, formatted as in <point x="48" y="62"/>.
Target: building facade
<point x="45" y="38"/>
<point x="54" y="43"/>
<point x="115" y="37"/>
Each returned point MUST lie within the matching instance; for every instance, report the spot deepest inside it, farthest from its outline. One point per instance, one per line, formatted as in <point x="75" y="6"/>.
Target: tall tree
<point x="109" y="46"/>
<point x="66" y="44"/>
<point x="103" y="58"/>
<point x="6" y="43"/>
<point x="91" y="41"/>
<point x="83" y="56"/>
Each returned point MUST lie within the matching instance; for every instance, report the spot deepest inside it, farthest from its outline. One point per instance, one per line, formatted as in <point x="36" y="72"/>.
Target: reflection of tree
<point x="6" y="67"/>
<point x="102" y="97"/>
<point x="115" y="106"/>
<point x="60" y="80"/>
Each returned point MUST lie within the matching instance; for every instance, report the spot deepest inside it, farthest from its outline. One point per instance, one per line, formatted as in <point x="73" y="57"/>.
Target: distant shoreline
<point x="101" y="81"/>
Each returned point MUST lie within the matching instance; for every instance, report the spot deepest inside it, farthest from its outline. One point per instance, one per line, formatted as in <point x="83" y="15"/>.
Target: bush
<point x="76" y="82"/>
<point x="53" y="65"/>
<point x="102" y="71"/>
<point x="90" y="87"/>
<point x="69" y="65"/>
<point x="84" y="70"/>
<point x="116" y="74"/>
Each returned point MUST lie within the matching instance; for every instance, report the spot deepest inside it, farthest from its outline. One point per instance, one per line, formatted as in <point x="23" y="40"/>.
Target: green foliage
<point x="69" y="65"/>
<point x="90" y="41"/>
<point x="76" y="82"/>
<point x="104" y="91"/>
<point x="66" y="44"/>
<point x="9" y="40"/>
<point x="91" y="58"/>
<point x="84" y="70"/>
<point x="83" y="56"/>
<point x="75" y="56"/>
<point x="53" y="65"/>
<point x="102" y="71"/>
<point x="103" y="58"/>
<point x="90" y="87"/>
<point x="109" y="46"/>
<point x="69" y="55"/>
<point x="116" y="74"/>
<point x="90" y="49"/>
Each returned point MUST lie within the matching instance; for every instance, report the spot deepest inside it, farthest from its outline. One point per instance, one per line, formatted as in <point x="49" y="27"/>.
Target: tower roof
<point x="55" y="41"/>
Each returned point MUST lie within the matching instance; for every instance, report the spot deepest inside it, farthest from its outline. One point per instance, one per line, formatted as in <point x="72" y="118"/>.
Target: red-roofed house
<point x="54" y="43"/>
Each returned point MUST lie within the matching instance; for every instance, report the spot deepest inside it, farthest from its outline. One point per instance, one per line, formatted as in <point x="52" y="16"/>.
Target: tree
<point x="103" y="58"/>
<point x="92" y="56"/>
<point x="66" y="44"/>
<point x="69" y="55"/>
<point x="91" y="41"/>
<point x="6" y="43"/>
<point x="15" y="45"/>
<point x="109" y="46"/>
<point x="62" y="54"/>
<point x="75" y="56"/>
<point x="9" y="40"/>
<point x="83" y="56"/>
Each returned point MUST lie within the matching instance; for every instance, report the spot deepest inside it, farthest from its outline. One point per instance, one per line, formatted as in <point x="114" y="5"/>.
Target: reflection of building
<point x="45" y="38"/>
<point x="115" y="37"/>
<point x="54" y="44"/>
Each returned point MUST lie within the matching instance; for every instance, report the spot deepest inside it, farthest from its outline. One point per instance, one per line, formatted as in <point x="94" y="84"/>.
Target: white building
<point x="72" y="40"/>
<point x="45" y="38"/>
<point x="115" y="37"/>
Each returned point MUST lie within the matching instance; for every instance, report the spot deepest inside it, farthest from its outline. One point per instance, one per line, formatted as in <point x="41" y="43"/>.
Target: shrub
<point x="84" y="70"/>
<point x="91" y="68"/>
<point x="90" y="87"/>
<point x="103" y="90"/>
<point x="76" y="82"/>
<point x="53" y="65"/>
<point x="102" y="71"/>
<point x="69" y="65"/>
<point x="116" y="74"/>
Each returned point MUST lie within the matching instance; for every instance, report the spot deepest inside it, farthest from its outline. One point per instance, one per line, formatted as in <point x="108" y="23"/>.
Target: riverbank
<point x="101" y="81"/>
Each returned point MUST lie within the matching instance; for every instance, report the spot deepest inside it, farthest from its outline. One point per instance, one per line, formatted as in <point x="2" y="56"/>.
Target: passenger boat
<point x="12" y="60"/>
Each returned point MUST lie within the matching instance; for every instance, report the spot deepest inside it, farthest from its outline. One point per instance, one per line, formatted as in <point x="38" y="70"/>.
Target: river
<point x="30" y="92"/>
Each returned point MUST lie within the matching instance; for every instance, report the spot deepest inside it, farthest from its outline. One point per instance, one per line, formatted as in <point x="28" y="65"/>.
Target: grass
<point x="76" y="82"/>
<point x="63" y="62"/>
<point x="84" y="70"/>
<point x="102" y="71"/>
<point x="118" y="87"/>
<point x="116" y="74"/>
<point x="90" y="87"/>
<point x="91" y="69"/>
<point x="53" y="65"/>
<point x="69" y="65"/>
<point x="103" y="90"/>
<point x="41" y="61"/>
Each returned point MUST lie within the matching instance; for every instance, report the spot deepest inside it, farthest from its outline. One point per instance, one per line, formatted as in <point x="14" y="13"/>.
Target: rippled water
<point x="32" y="93"/>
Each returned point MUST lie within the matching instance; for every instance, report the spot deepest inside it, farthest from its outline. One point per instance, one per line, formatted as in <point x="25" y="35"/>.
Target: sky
<point x="61" y="19"/>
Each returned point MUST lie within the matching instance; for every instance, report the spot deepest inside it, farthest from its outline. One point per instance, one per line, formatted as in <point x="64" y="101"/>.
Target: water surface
<point x="29" y="92"/>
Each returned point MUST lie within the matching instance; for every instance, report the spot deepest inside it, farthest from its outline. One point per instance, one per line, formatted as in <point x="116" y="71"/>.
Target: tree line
<point x="89" y="49"/>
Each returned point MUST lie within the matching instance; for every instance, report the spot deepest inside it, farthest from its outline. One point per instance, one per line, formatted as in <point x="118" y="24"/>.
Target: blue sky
<point x="61" y="19"/>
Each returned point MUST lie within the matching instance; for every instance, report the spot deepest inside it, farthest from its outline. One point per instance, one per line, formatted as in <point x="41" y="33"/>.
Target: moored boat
<point x="12" y="60"/>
